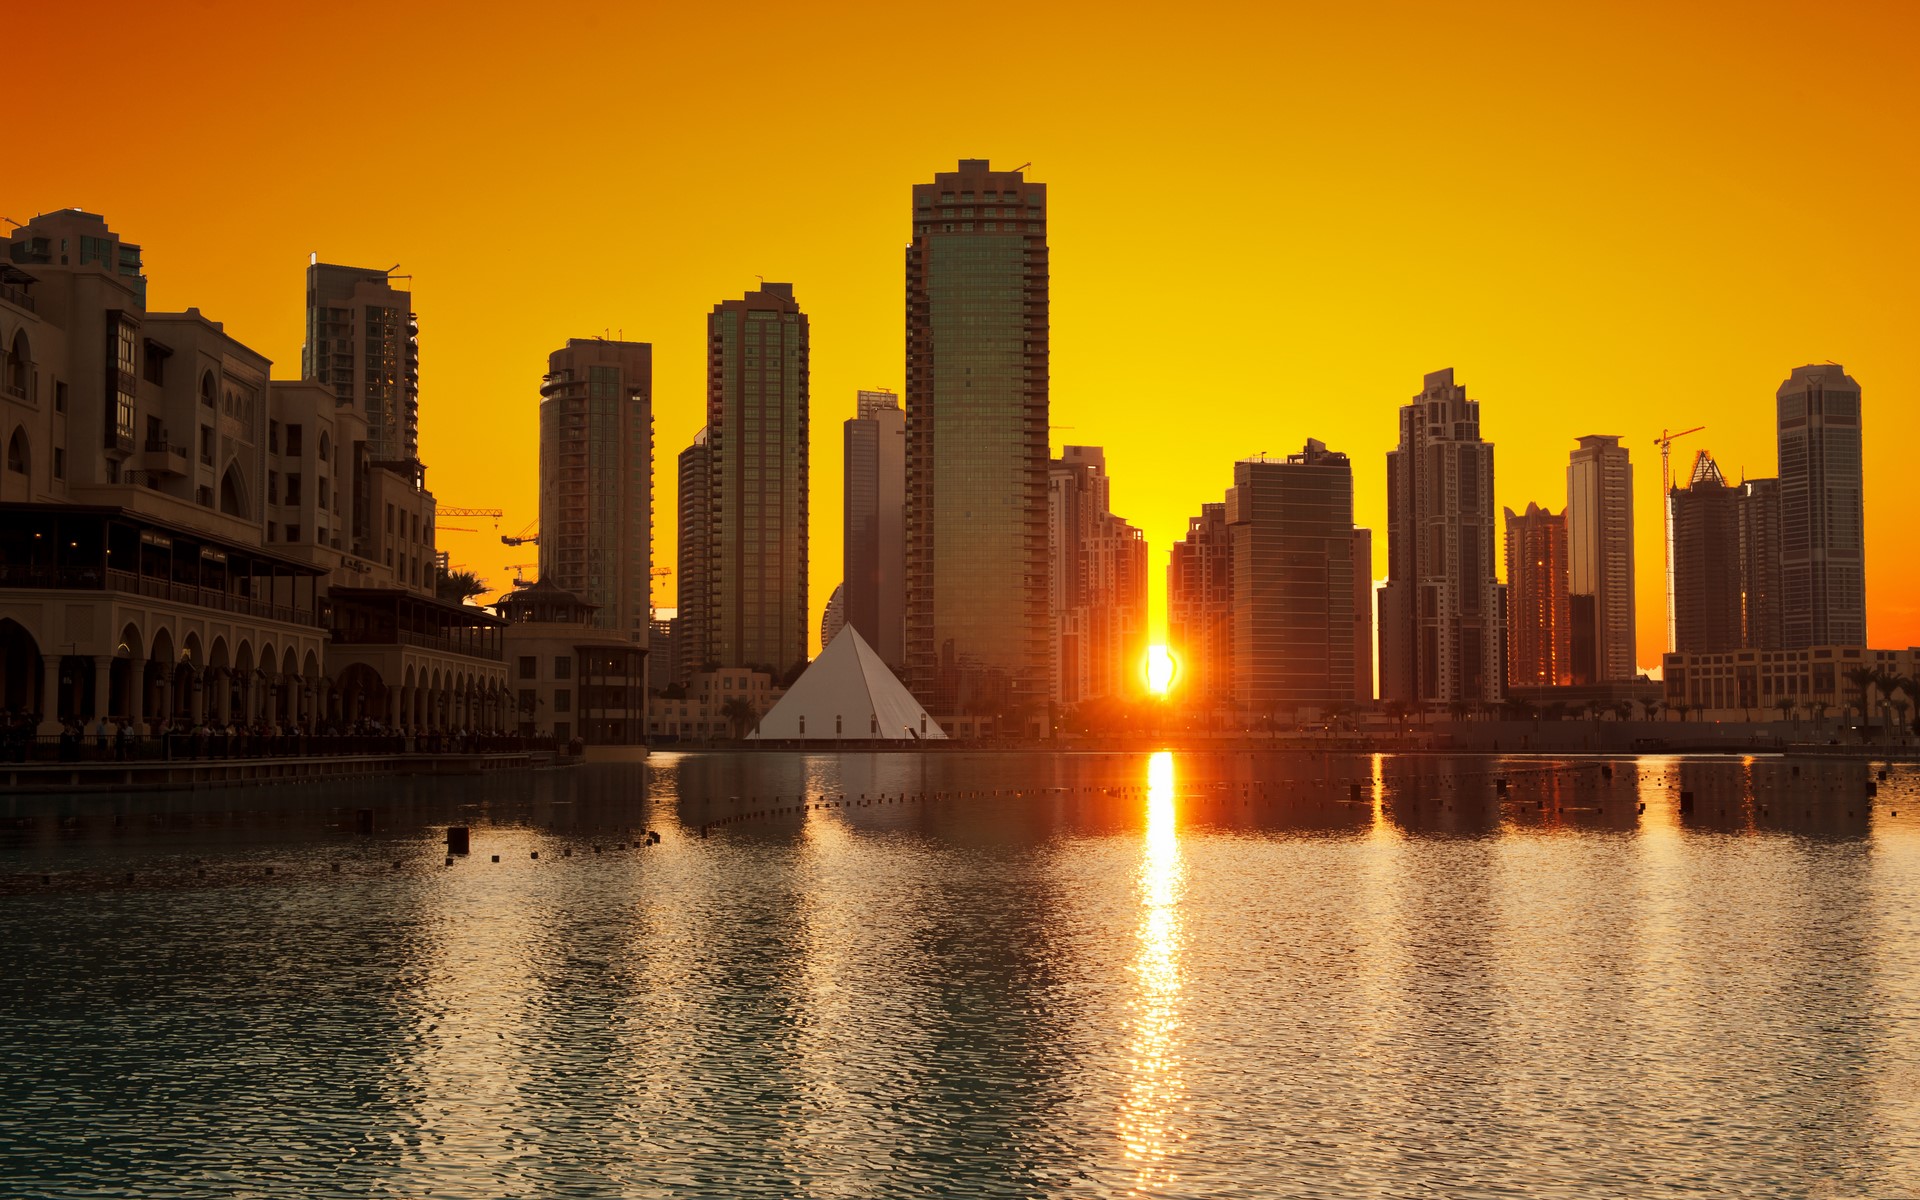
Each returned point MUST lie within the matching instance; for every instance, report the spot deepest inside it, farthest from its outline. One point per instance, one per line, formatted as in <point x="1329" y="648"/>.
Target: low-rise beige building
<point x="1748" y="685"/>
<point x="701" y="714"/>
<point x="571" y="678"/>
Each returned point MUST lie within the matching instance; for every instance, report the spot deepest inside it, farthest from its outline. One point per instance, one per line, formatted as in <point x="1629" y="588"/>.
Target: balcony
<point x="16" y="296"/>
<point x="160" y="457"/>
<point x="92" y="579"/>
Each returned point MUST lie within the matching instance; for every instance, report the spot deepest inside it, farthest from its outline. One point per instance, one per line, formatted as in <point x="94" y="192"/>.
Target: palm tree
<point x="1652" y="709"/>
<point x="1785" y="705"/>
<point x="1863" y="679"/>
<point x="738" y="710"/>
<point x="1681" y="707"/>
<point x="1886" y="682"/>
<point x="1910" y="688"/>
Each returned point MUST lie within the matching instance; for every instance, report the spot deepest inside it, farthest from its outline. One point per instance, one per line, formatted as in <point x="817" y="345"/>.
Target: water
<point x="1172" y="976"/>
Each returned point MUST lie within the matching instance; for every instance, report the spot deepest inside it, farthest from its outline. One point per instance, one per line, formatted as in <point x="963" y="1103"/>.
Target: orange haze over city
<point x="1265" y="225"/>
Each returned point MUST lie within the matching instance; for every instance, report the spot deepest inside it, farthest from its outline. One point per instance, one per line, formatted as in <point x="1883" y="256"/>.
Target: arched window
<point x="19" y="363"/>
<point x="206" y="388"/>
<point x="326" y="447"/>
<point x="19" y="453"/>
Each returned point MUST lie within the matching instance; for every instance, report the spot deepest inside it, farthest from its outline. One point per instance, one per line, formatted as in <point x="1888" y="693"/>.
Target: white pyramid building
<point x="847" y="694"/>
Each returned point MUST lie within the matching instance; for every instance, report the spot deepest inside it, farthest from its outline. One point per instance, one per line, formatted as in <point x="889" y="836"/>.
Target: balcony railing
<point x="423" y="641"/>
<point x="16" y="296"/>
<point x="93" y="579"/>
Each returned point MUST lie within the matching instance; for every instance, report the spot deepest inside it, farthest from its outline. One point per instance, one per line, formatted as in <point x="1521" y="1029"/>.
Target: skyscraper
<point x="1539" y="637"/>
<point x="1200" y="611"/>
<point x="1293" y="593"/>
<point x="1599" y="520"/>
<point x="875" y="546"/>
<point x="1706" y="561"/>
<point x="1440" y="613"/>
<point x="757" y="444"/>
<point x="695" y="544"/>
<point x="976" y="301"/>
<point x="1096" y="584"/>
<point x="1363" y="616"/>
<point x="596" y="479"/>
<point x="1822" y="514"/>
<point x="363" y="340"/>
<point x="1759" y="508"/>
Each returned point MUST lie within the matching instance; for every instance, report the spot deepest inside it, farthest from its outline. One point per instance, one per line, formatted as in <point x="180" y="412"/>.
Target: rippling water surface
<point x="973" y="975"/>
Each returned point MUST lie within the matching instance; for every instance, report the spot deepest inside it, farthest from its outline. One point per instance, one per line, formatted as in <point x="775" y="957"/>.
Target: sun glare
<point x="1161" y="669"/>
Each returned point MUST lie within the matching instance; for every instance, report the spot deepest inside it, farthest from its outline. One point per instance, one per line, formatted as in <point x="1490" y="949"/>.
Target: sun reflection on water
<point x="1148" y="1113"/>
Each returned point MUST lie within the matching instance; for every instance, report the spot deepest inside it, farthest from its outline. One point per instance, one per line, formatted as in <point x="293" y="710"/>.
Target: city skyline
<point x="1549" y="249"/>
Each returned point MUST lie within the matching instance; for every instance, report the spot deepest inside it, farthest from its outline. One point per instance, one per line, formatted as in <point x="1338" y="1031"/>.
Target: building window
<point x="59" y="462"/>
<point x="273" y="487"/>
<point x="59" y="397"/>
<point x="562" y="667"/>
<point x="527" y="701"/>
<point x="293" y="487"/>
<point x="562" y="731"/>
<point x="293" y="440"/>
<point x="563" y="701"/>
<point x="206" y="444"/>
<point x="293" y="533"/>
<point x="273" y="437"/>
<point x="203" y="496"/>
<point x="529" y="666"/>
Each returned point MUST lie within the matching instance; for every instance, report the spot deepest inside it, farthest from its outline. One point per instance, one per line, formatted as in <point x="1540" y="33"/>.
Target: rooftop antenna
<point x="1023" y="166"/>
<point x="14" y="223"/>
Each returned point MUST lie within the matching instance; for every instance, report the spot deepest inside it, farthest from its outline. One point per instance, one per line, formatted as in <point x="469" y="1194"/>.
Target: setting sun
<point x="1161" y="670"/>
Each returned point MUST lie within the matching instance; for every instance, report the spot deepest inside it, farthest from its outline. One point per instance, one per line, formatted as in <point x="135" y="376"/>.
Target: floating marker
<point x="457" y="839"/>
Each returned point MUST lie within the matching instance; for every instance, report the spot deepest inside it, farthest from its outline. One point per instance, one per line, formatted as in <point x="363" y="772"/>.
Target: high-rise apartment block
<point x="875" y="533"/>
<point x="976" y="301"/>
<point x="695" y="544"/>
<point x="1599" y="520"/>
<point x="1291" y="522"/>
<point x="1705" y="517"/>
<point x="1539" y="630"/>
<point x="1822" y="514"/>
<point x="1200" y="612"/>
<point x="596" y="480"/>
<point x="757" y="396"/>
<point x="363" y="341"/>
<point x="1441" y="637"/>
<point x="1363" y="616"/>
<point x="1096" y="584"/>
<point x="1760" y="583"/>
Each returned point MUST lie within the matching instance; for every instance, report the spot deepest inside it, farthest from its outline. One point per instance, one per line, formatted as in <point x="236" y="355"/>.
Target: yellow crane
<point x="443" y="510"/>
<point x="1665" y="441"/>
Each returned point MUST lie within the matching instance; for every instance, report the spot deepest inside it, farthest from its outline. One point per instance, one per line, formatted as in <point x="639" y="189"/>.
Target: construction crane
<point x="494" y="513"/>
<point x="1665" y="441"/>
<point x="529" y="535"/>
<point x="519" y="573"/>
<point x="453" y="529"/>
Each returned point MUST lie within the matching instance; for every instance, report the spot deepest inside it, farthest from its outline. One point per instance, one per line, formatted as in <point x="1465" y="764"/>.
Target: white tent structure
<point x="847" y="694"/>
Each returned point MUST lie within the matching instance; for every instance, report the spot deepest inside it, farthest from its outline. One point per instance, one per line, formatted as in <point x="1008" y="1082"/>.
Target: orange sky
<point x="1265" y="225"/>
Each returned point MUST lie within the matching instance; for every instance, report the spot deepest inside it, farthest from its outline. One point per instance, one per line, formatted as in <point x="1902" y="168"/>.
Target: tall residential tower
<point x="976" y="301"/>
<point x="874" y="599"/>
<point x="596" y="479"/>
<point x="1441" y="622"/>
<point x="757" y="447"/>
<point x="1822" y="514"/>
<point x="1599" y="519"/>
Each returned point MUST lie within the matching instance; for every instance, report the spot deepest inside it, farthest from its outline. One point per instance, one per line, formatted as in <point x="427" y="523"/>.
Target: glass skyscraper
<point x="1822" y="514"/>
<point x="596" y="479"/>
<point x="757" y="450"/>
<point x="977" y="446"/>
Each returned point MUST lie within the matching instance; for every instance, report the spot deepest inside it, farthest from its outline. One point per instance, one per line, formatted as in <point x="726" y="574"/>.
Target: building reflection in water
<point x="1149" y="1110"/>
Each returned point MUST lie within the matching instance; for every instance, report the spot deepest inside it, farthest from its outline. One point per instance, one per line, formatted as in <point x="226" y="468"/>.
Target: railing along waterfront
<point x="190" y="747"/>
